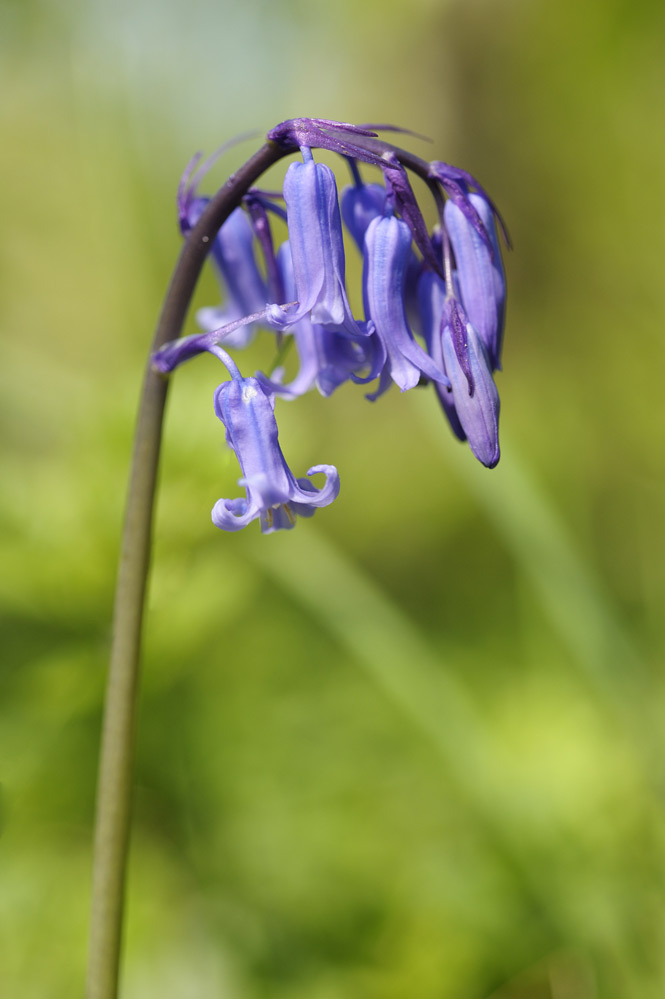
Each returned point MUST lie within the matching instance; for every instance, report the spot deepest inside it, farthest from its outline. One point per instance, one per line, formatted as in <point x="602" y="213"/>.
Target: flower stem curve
<point x="114" y="789"/>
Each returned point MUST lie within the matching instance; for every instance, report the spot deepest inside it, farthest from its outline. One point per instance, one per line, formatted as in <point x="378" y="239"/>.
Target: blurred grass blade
<point x="567" y="586"/>
<point x="372" y="629"/>
<point x="380" y="637"/>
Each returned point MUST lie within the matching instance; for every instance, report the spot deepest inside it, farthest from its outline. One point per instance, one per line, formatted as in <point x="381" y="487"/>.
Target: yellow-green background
<point x="413" y="749"/>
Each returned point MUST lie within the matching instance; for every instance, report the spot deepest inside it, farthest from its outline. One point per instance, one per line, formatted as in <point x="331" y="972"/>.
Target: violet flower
<point x="480" y="272"/>
<point x="273" y="494"/>
<point x="233" y="253"/>
<point x="232" y="250"/>
<point x="473" y="390"/>
<point x="459" y="312"/>
<point x="400" y="358"/>
<point x="431" y="302"/>
<point x="317" y="247"/>
<point x="361" y="203"/>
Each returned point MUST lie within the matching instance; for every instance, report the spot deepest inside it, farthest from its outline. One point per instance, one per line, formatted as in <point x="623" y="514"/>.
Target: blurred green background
<point x="414" y="748"/>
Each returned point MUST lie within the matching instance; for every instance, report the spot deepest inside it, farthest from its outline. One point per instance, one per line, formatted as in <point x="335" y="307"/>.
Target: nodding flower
<point x="431" y="302"/>
<point x="401" y="359"/>
<point x="434" y="299"/>
<point x="482" y="282"/>
<point x="317" y="246"/>
<point x="272" y="493"/>
<point x="361" y="204"/>
<point x="472" y="387"/>
<point x="244" y="290"/>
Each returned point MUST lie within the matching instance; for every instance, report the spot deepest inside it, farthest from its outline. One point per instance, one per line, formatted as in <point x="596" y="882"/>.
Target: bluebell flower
<point x="361" y="204"/>
<point x="317" y="247"/>
<point x="233" y="253"/>
<point x="260" y="206"/>
<point x="243" y="288"/>
<point x="431" y="302"/>
<point x="482" y="282"/>
<point x="399" y="358"/>
<point x="473" y="390"/>
<point x="245" y="407"/>
<point x="273" y="494"/>
<point x="445" y="287"/>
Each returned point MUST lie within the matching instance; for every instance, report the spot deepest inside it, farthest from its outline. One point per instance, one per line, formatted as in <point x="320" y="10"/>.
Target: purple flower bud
<point x="480" y="272"/>
<point x="233" y="253"/>
<point x="317" y="248"/>
<point x="273" y="494"/>
<point x="361" y="203"/>
<point x="474" y="392"/>
<point x="431" y="302"/>
<point x="387" y="250"/>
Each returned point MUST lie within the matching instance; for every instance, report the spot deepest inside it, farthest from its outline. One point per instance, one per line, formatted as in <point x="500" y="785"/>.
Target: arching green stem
<point x="114" y="791"/>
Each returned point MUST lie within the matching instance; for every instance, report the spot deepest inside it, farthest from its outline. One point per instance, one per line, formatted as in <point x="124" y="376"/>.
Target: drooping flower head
<point x="434" y="300"/>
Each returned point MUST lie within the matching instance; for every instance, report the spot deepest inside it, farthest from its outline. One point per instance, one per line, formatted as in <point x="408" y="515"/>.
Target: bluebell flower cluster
<point x="433" y="303"/>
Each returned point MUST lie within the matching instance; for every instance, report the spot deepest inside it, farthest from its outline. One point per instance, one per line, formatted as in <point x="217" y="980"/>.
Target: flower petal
<point x="310" y="496"/>
<point x="387" y="249"/>
<point x="477" y="407"/>
<point x="317" y="247"/>
<point x="480" y="273"/>
<point x="361" y="203"/>
<point x="431" y="303"/>
<point x="273" y="494"/>
<point x="233" y="515"/>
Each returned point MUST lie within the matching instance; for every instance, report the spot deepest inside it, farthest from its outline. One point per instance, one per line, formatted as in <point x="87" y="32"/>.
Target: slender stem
<point x="117" y="744"/>
<point x="114" y="790"/>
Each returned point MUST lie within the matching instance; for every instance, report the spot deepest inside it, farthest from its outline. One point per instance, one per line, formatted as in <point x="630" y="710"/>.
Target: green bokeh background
<point x="413" y="749"/>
